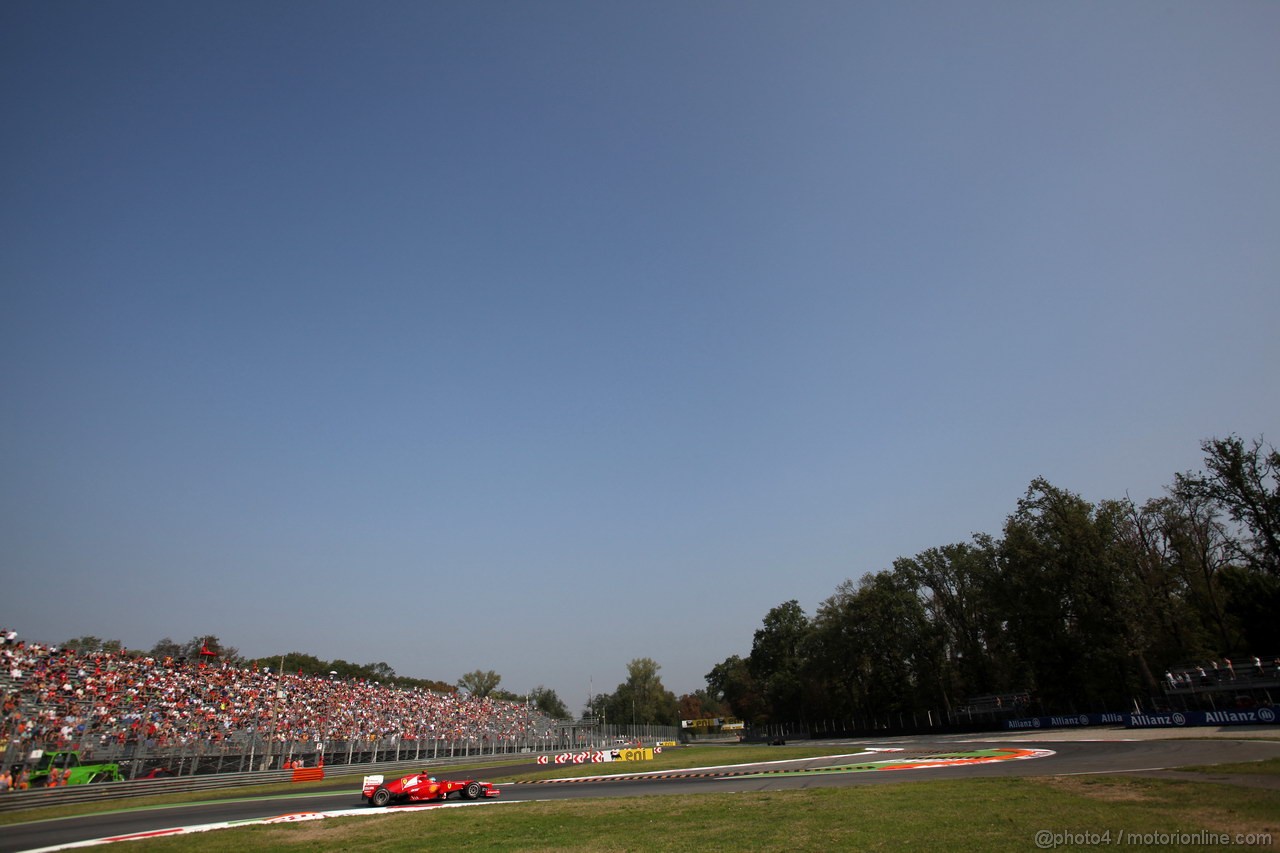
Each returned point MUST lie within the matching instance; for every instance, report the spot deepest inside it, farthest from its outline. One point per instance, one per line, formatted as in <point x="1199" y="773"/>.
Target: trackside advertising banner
<point x="1068" y="721"/>
<point x="1156" y="720"/>
<point x="1251" y="717"/>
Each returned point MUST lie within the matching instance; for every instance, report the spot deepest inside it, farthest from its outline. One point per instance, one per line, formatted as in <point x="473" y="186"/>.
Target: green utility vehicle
<point x="72" y="771"/>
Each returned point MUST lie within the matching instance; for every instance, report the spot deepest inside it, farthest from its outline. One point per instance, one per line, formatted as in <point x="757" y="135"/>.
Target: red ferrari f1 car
<point x="422" y="787"/>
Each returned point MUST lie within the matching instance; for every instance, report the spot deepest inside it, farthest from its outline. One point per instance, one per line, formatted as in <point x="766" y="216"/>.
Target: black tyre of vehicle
<point x="472" y="791"/>
<point x="380" y="797"/>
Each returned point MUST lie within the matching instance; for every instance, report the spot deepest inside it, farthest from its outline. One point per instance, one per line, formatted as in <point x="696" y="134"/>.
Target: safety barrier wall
<point x="1265" y="712"/>
<point x="42" y="797"/>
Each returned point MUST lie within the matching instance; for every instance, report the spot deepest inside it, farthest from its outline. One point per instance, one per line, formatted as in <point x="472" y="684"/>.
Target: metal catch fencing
<point x="153" y="769"/>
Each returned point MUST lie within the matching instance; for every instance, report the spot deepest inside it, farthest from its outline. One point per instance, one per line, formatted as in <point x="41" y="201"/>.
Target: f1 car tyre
<point x="472" y="791"/>
<point x="380" y="797"/>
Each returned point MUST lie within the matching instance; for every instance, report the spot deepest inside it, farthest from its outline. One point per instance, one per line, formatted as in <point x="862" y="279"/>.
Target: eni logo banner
<point x="635" y="755"/>
<point x="711" y="723"/>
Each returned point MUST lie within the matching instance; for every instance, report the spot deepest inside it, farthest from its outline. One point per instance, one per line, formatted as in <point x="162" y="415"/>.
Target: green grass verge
<point x="971" y="815"/>
<point x="1264" y="767"/>
<point x="683" y="759"/>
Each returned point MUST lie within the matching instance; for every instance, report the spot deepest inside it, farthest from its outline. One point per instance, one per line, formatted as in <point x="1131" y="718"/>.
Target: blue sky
<point x="539" y="337"/>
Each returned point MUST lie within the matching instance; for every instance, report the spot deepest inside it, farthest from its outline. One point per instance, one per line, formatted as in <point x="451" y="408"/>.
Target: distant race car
<point x="156" y="773"/>
<point x="422" y="787"/>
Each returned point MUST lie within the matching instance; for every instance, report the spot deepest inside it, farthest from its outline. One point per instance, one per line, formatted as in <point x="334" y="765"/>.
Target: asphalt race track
<point x="1111" y="751"/>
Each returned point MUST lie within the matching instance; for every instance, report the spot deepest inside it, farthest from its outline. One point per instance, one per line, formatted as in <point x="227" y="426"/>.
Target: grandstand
<point x="218" y="717"/>
<point x="1235" y="682"/>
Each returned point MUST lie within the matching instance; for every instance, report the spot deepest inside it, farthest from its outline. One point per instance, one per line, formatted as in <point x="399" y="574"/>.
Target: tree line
<point x="483" y="683"/>
<point x="1081" y="605"/>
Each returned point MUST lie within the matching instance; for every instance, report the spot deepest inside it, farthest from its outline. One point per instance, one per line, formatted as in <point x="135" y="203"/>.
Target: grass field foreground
<point x="991" y="814"/>
<point x="970" y="815"/>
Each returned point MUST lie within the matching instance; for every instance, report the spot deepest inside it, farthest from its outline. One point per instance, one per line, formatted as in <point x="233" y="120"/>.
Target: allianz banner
<point x="1067" y="721"/>
<point x="1262" y="716"/>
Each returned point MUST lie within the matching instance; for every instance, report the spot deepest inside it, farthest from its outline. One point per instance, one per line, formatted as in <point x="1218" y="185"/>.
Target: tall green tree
<point x="1253" y="600"/>
<point x="1179" y="550"/>
<point x="301" y="662"/>
<point x="89" y="643"/>
<point x="193" y="648"/>
<point x="166" y="648"/>
<point x="874" y="644"/>
<point x="701" y="704"/>
<point x="839" y="644"/>
<point x="480" y="683"/>
<point x="641" y="699"/>
<point x="546" y="701"/>
<point x="959" y="586"/>
<point x="1245" y="481"/>
<point x="778" y="660"/>
<point x="1066" y="584"/>
<point x="731" y="683"/>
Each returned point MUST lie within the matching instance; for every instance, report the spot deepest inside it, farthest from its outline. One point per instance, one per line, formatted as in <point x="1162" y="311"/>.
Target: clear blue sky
<point x="539" y="337"/>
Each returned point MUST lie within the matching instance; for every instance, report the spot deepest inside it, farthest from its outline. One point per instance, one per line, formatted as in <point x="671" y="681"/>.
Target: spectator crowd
<point x="1212" y="674"/>
<point x="58" y="698"/>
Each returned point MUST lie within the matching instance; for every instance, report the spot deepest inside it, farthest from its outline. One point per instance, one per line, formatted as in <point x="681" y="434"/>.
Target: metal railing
<point x="45" y="797"/>
<point x="206" y="767"/>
